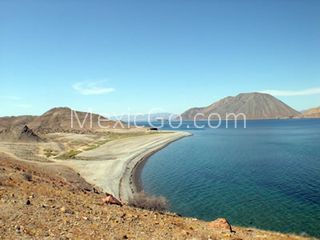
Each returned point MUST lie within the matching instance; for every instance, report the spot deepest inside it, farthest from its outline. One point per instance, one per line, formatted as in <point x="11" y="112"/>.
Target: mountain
<point x="7" y="122"/>
<point x="312" y="113"/>
<point x="253" y="105"/>
<point x="19" y="133"/>
<point x="64" y="119"/>
<point x="60" y="119"/>
<point x="145" y="117"/>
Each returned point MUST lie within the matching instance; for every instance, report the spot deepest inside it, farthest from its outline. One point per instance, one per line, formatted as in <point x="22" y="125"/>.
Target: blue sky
<point x="118" y="56"/>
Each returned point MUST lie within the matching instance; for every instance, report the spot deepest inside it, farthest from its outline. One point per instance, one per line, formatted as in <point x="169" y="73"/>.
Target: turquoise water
<point x="265" y="176"/>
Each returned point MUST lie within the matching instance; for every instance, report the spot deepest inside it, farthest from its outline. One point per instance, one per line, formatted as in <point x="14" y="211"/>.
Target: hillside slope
<point x="19" y="134"/>
<point x="8" y="122"/>
<point x="312" y="113"/>
<point x="67" y="120"/>
<point x="253" y="105"/>
<point x="61" y="119"/>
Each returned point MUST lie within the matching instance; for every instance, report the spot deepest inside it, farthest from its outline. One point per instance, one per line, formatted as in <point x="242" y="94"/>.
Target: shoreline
<point x="135" y="180"/>
<point x="115" y="166"/>
<point x="131" y="181"/>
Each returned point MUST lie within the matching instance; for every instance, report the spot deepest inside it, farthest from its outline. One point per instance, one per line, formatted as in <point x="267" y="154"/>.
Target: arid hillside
<point x="312" y="113"/>
<point x="8" y="122"/>
<point x="62" y="119"/>
<point x="19" y="133"/>
<point x="253" y="105"/>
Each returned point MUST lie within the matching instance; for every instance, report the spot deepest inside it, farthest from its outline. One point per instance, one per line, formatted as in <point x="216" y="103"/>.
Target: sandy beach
<point x="113" y="166"/>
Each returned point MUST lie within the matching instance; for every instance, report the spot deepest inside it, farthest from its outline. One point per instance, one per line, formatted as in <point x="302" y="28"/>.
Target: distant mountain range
<point x="253" y="105"/>
<point x="312" y="113"/>
<point x="145" y="117"/>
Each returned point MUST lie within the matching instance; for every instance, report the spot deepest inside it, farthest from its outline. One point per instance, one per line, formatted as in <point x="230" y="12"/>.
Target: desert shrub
<point x="27" y="176"/>
<point x="49" y="152"/>
<point x="153" y="203"/>
<point x="91" y="147"/>
<point x="70" y="155"/>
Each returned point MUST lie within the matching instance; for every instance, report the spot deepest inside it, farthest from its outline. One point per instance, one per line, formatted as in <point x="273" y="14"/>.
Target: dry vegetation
<point x="49" y="152"/>
<point x="70" y="154"/>
<point x="64" y="145"/>
<point x="145" y="201"/>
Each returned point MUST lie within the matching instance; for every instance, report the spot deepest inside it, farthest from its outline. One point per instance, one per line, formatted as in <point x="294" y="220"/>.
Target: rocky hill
<point x="7" y="122"/>
<point x="61" y="119"/>
<point x="19" y="134"/>
<point x="253" y="105"/>
<point x="68" y="120"/>
<point x="312" y="113"/>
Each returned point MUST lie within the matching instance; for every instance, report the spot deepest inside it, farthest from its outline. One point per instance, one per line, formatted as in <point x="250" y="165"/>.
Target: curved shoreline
<point x="135" y="179"/>
<point x="115" y="166"/>
<point x="130" y="182"/>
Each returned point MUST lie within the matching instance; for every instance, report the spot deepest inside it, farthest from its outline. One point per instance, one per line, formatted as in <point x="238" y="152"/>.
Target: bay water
<point x="266" y="175"/>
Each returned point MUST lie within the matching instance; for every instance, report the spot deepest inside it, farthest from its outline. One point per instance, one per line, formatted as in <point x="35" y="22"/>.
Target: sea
<point x="264" y="175"/>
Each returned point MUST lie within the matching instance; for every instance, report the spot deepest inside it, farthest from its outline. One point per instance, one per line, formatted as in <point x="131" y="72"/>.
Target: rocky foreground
<point x="53" y="202"/>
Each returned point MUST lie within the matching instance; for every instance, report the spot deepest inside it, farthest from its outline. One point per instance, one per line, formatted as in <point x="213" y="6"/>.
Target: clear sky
<point x="118" y="56"/>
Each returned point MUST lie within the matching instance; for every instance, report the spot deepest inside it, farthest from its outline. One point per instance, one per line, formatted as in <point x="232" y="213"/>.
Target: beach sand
<point x="113" y="166"/>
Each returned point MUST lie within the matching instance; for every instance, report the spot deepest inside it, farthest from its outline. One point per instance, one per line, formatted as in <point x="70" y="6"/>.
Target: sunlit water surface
<point x="265" y="176"/>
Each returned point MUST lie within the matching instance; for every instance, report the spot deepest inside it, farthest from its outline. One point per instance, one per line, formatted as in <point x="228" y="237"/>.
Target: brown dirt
<point x="56" y="203"/>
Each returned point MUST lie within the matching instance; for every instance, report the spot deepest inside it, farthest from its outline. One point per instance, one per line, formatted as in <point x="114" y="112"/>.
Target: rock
<point x="18" y="229"/>
<point x="65" y="210"/>
<point x="220" y="223"/>
<point x="96" y="191"/>
<point x="28" y="202"/>
<point x="109" y="199"/>
<point x="184" y="232"/>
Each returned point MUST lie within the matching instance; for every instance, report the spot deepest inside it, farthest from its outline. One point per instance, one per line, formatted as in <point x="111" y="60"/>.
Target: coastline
<point x="115" y="166"/>
<point x="130" y="182"/>
<point x="134" y="180"/>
